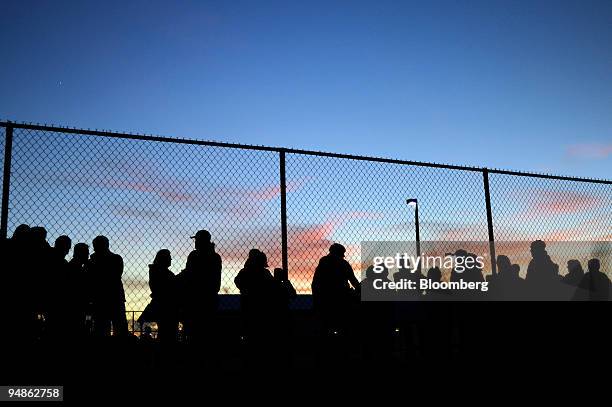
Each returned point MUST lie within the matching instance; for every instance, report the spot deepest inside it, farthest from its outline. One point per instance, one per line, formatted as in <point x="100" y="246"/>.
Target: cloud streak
<point x="590" y="151"/>
<point x="544" y="202"/>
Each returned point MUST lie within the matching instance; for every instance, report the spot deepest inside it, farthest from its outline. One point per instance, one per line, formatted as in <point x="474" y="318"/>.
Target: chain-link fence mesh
<point x="573" y="218"/>
<point x="145" y="196"/>
<point x="148" y="194"/>
<point x="352" y="201"/>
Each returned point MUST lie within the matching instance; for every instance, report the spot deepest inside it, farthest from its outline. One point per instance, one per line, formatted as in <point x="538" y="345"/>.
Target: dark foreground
<point x="487" y="339"/>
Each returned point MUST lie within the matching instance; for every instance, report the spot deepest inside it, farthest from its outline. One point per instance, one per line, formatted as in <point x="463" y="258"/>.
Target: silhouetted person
<point x="409" y="274"/>
<point x="285" y="292"/>
<point x="542" y="278"/>
<point x="62" y="247"/>
<point x="507" y="284"/>
<point x="259" y="305"/>
<point x="146" y="337"/>
<point x="372" y="280"/>
<point x="199" y="285"/>
<point x="108" y="297"/>
<point x="38" y="270"/>
<point x="163" y="306"/>
<point x="59" y="293"/>
<point x="77" y="291"/>
<point x="434" y="275"/>
<point x="16" y="301"/>
<point x="466" y="269"/>
<point x="516" y="270"/>
<point x="332" y="295"/>
<point x="575" y="273"/>
<point x="256" y="283"/>
<point x="457" y="273"/>
<point x="595" y="285"/>
<point x="377" y="312"/>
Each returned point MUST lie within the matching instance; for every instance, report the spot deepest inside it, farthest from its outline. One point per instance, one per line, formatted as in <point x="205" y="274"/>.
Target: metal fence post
<point x="283" y="194"/>
<point x="485" y="177"/>
<point x="6" y="180"/>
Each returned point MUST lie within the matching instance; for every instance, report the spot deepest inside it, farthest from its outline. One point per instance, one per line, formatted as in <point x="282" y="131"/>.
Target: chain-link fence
<point x="146" y="193"/>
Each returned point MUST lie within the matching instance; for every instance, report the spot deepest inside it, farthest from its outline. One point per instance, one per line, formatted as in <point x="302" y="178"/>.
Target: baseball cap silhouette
<point x="202" y="234"/>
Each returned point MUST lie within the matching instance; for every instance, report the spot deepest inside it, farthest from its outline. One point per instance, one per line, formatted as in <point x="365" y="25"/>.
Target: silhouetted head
<point x="371" y="274"/>
<point x="21" y="232"/>
<point x="337" y="249"/>
<point x="202" y="239"/>
<point x="163" y="258"/>
<point x="594" y="265"/>
<point x="515" y="269"/>
<point x="63" y="245"/>
<point x="461" y="253"/>
<point x="574" y="266"/>
<point x="434" y="274"/>
<point x="251" y="258"/>
<point x="503" y="263"/>
<point x="256" y="259"/>
<point x="538" y="248"/>
<point x="100" y="244"/>
<point x="81" y="252"/>
<point x="38" y="234"/>
<point x="261" y="260"/>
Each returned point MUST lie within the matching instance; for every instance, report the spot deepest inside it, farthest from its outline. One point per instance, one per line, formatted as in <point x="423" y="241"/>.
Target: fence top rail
<point x="166" y="139"/>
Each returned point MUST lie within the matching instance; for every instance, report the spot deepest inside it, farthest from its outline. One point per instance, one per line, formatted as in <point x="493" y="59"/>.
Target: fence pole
<point x="283" y="194"/>
<point x="485" y="177"/>
<point x="6" y="180"/>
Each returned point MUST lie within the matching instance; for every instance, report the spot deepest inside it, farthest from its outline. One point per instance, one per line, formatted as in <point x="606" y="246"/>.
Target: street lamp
<point x="412" y="202"/>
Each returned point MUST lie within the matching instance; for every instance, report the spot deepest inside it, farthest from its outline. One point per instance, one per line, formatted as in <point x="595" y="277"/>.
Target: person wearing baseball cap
<point x="202" y="236"/>
<point x="199" y="284"/>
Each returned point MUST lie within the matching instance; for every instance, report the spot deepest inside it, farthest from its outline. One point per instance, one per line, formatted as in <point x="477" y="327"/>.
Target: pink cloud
<point x="273" y="191"/>
<point x="128" y="211"/>
<point x="307" y="244"/>
<point x="549" y="202"/>
<point x="169" y="190"/>
<point x="596" y="151"/>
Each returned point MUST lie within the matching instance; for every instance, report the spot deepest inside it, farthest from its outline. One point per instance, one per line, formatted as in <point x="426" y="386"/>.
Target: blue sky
<point x="521" y="85"/>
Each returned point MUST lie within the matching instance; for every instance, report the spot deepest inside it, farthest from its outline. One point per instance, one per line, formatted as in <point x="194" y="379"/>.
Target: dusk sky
<point x="520" y="85"/>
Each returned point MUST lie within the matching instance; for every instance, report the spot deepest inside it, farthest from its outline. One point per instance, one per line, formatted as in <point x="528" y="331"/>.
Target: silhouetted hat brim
<point x="202" y="233"/>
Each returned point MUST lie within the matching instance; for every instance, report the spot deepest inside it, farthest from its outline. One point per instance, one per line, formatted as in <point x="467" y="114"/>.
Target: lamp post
<point x="412" y="202"/>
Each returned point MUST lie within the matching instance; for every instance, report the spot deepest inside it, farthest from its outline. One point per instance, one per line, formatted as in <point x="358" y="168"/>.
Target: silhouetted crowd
<point x="542" y="281"/>
<point x="46" y="296"/>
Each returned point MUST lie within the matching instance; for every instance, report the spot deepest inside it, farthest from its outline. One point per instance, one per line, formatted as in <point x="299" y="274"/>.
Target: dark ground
<point x="486" y="342"/>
